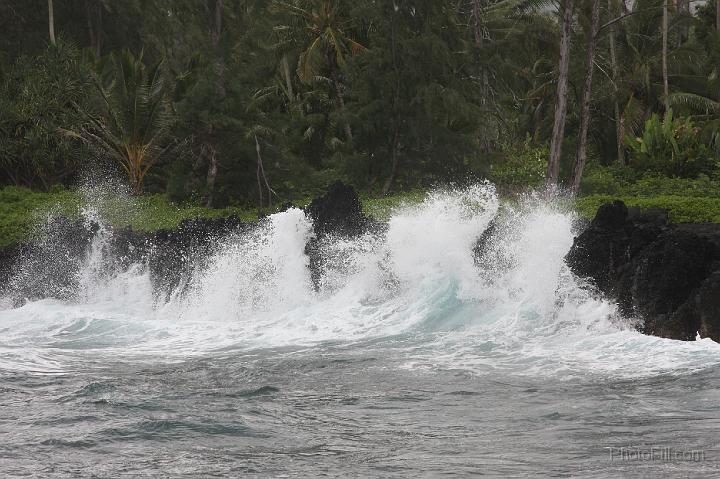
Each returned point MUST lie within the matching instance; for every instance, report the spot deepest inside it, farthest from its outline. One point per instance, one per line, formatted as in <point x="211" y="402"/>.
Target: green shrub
<point x="673" y="147"/>
<point x="36" y="99"/>
<point x="610" y="180"/>
<point x="520" y="166"/>
<point x="617" y="180"/>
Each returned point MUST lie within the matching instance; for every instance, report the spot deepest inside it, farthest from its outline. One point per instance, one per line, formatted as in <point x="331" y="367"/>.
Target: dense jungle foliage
<point x="246" y="103"/>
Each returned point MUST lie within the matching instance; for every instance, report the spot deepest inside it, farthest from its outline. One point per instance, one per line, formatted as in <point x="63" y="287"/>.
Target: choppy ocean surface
<point x="415" y="358"/>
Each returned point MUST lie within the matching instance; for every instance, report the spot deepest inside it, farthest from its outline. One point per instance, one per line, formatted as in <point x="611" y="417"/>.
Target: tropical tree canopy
<point x="272" y="101"/>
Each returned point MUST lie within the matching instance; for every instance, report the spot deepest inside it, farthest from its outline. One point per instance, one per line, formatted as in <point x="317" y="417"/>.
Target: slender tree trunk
<point x="479" y="33"/>
<point x="581" y="157"/>
<point x="395" y="143"/>
<point x="51" y="22"/>
<point x="215" y="32"/>
<point x="259" y="183"/>
<point x="394" y="162"/>
<point x="93" y="10"/>
<point x="211" y="175"/>
<point x="619" y="133"/>
<point x="341" y="103"/>
<point x="216" y="23"/>
<point x="258" y="173"/>
<point x="261" y="172"/>
<point x="666" y="89"/>
<point x="717" y="15"/>
<point x="553" y="171"/>
<point x="285" y="65"/>
<point x="683" y="6"/>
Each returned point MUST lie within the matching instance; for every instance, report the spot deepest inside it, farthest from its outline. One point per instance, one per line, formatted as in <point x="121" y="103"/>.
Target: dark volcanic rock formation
<point x="668" y="275"/>
<point x="173" y="254"/>
<point x="49" y="266"/>
<point x="336" y="213"/>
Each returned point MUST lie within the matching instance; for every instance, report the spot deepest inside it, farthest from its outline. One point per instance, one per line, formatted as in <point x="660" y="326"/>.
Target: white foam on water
<point x="516" y="307"/>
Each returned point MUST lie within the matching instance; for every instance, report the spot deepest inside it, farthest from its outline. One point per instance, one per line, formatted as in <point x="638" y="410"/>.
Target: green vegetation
<point x="685" y="199"/>
<point x="681" y="209"/>
<point x="22" y="209"/>
<point x="242" y="105"/>
<point x="19" y="207"/>
<point x="381" y="207"/>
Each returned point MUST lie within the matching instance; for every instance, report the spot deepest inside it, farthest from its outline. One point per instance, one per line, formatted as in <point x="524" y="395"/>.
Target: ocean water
<point x="415" y="357"/>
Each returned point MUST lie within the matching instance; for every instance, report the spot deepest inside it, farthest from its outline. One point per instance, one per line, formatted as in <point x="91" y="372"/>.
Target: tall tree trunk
<point x="51" y="22"/>
<point x="553" y="171"/>
<point x="479" y="34"/>
<point x="395" y="142"/>
<point x="211" y="174"/>
<point x="261" y="202"/>
<point x="93" y="10"/>
<point x="341" y="103"/>
<point x="581" y="157"/>
<point x="285" y="65"/>
<point x="216" y="23"/>
<point x="717" y="15"/>
<point x="215" y="32"/>
<point x="619" y="133"/>
<point x="683" y="8"/>
<point x="261" y="173"/>
<point x="394" y="162"/>
<point x="666" y="89"/>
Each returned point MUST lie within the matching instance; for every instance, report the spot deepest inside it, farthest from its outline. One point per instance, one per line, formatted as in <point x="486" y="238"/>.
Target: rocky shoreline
<point x="50" y="264"/>
<point x="668" y="275"/>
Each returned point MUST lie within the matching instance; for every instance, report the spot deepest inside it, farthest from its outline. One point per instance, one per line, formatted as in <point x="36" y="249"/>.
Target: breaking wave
<point x="459" y="281"/>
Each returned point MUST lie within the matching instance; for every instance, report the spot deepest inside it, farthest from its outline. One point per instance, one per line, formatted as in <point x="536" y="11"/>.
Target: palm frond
<point x="697" y="103"/>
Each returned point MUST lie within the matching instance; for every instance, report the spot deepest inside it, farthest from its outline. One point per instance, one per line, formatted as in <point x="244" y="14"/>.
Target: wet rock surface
<point x="667" y="275"/>
<point x="337" y="213"/>
<point x="32" y="270"/>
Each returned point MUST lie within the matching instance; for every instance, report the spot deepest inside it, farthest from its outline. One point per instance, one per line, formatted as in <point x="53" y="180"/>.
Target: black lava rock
<point x="48" y="266"/>
<point x="175" y="253"/>
<point x="337" y="212"/>
<point x="668" y="275"/>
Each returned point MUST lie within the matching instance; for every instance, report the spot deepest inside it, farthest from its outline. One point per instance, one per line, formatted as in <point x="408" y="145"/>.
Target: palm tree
<point x="132" y="123"/>
<point x="327" y="45"/>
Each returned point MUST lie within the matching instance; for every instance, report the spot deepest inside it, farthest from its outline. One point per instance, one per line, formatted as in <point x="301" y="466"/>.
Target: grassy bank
<point x="681" y="209"/>
<point x="22" y="209"/>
